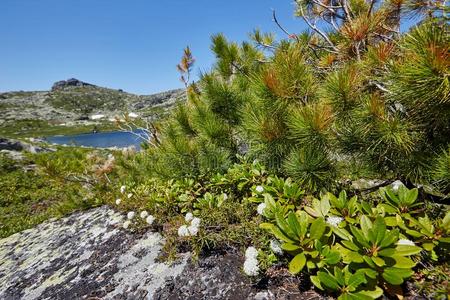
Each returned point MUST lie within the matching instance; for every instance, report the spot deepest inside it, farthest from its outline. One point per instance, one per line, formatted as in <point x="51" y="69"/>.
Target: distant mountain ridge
<point x="74" y="100"/>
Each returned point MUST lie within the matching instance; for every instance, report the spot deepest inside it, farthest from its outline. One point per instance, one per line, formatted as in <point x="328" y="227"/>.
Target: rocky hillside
<point x="76" y="103"/>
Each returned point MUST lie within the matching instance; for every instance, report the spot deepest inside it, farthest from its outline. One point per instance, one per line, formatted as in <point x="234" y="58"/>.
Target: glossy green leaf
<point x="366" y="225"/>
<point x="317" y="228"/>
<point x="290" y="247"/>
<point x="328" y="280"/>
<point x="297" y="263"/>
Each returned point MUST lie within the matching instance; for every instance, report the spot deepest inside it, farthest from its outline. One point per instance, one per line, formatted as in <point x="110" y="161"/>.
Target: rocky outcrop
<point x="16" y="145"/>
<point x="69" y="82"/>
<point x="70" y="102"/>
<point x="88" y="255"/>
<point x="84" y="256"/>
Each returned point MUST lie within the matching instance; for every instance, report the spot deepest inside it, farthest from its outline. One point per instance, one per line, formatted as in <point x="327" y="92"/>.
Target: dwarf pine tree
<point x="352" y="90"/>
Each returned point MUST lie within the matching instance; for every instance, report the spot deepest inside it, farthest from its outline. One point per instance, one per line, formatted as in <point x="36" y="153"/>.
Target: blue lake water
<point x="100" y="139"/>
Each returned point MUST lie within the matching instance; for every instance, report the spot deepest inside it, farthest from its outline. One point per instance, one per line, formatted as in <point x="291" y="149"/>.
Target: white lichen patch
<point x="83" y="253"/>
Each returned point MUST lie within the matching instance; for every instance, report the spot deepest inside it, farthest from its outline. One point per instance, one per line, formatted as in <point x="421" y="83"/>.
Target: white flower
<point x="144" y="214"/>
<point x="195" y="222"/>
<point x="251" y="267"/>
<point x="261" y="207"/>
<point x="259" y="189"/>
<point x="276" y="247"/>
<point x="130" y="215"/>
<point x="150" y="219"/>
<point x="126" y="224"/>
<point x="122" y="189"/>
<point x="130" y="195"/>
<point x="189" y="216"/>
<point x="193" y="230"/>
<point x="334" y="221"/>
<point x="225" y="196"/>
<point x="405" y="242"/>
<point x="396" y="185"/>
<point x="118" y="201"/>
<point x="183" y="231"/>
<point x="251" y="252"/>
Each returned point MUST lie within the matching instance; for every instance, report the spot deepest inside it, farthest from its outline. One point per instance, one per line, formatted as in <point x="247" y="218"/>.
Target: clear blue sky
<point x="133" y="45"/>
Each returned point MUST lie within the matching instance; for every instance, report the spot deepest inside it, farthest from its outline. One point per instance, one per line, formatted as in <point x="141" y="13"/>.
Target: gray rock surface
<point x="86" y="255"/>
<point x="69" y="82"/>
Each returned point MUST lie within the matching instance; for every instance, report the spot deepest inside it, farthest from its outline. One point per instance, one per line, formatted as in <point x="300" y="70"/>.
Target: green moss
<point x="29" y="197"/>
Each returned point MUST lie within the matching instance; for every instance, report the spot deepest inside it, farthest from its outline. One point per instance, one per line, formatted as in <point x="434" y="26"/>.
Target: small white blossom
<point x="118" y="201"/>
<point x="193" y="230"/>
<point x="251" y="267"/>
<point x="122" y="189"/>
<point x="225" y="196"/>
<point x="189" y="216"/>
<point x="405" y="242"/>
<point x="396" y="185"/>
<point x="150" y="219"/>
<point x="276" y="247"/>
<point x="261" y="207"/>
<point x="251" y="252"/>
<point x="183" y="231"/>
<point x="144" y="214"/>
<point x="126" y="224"/>
<point x="195" y="222"/>
<point x="130" y="215"/>
<point x="129" y="195"/>
<point x="334" y="221"/>
<point x="259" y="189"/>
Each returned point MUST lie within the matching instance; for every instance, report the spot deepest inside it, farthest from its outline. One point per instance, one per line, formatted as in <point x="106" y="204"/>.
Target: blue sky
<point x="133" y="45"/>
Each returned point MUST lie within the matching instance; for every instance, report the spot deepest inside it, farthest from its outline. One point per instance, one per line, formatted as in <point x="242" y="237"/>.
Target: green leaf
<point x="284" y="226"/>
<point x="403" y="262"/>
<point x="359" y="236"/>
<point x="295" y="225"/>
<point x="328" y="280"/>
<point x="297" y="263"/>
<point x="266" y="226"/>
<point x="311" y="211"/>
<point x="373" y="294"/>
<point x="378" y="261"/>
<point x="391" y="221"/>
<point x="339" y="275"/>
<point x="391" y="196"/>
<point x="324" y="206"/>
<point x="317" y="228"/>
<point x="389" y="238"/>
<point x="350" y="245"/>
<point x="379" y="229"/>
<point x="428" y="246"/>
<point x="395" y="276"/>
<point x="281" y="236"/>
<point x="371" y="273"/>
<point x="405" y="250"/>
<point x="366" y="225"/>
<point x="289" y="247"/>
<point x="392" y="277"/>
<point x="342" y="233"/>
<point x="356" y="279"/>
<point x="411" y="196"/>
<point x="333" y="257"/>
<point x="316" y="281"/>
<point x="353" y="257"/>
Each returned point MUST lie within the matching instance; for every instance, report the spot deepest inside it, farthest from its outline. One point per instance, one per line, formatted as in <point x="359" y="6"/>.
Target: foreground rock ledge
<point x="84" y="256"/>
<point x="87" y="255"/>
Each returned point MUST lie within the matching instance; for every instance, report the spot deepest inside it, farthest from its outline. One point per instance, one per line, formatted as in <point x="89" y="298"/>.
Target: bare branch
<point x="320" y="32"/>
<point x="281" y="27"/>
